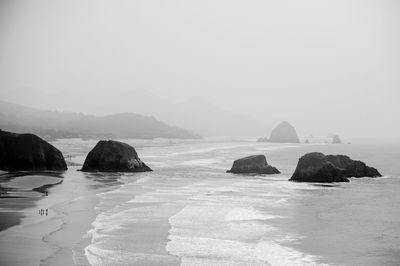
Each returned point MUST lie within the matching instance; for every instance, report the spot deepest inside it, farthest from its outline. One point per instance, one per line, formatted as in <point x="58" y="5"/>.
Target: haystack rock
<point x="113" y="156"/>
<point x="336" y="140"/>
<point x="255" y="164"/>
<point x="28" y="152"/>
<point x="284" y="133"/>
<point x="317" y="167"/>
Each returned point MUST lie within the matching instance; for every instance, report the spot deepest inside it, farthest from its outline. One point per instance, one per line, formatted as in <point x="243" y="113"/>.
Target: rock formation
<point x="253" y="164"/>
<point x="27" y="152"/>
<point x="284" y="133"/>
<point x="336" y="140"/>
<point x="113" y="156"/>
<point x="317" y="167"/>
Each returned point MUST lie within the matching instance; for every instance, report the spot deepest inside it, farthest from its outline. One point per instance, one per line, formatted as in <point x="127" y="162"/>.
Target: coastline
<point x="17" y="196"/>
<point x="53" y="239"/>
<point x="175" y="195"/>
<point x="24" y="194"/>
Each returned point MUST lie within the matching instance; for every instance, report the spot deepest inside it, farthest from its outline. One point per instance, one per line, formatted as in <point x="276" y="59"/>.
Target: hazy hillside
<point x="201" y="116"/>
<point x="195" y="114"/>
<point x="52" y="124"/>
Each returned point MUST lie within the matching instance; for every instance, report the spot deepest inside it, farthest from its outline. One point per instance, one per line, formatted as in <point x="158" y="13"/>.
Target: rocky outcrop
<point x="307" y="141"/>
<point x="262" y="139"/>
<point x="336" y="140"/>
<point x="284" y="133"/>
<point x="113" y="156"/>
<point x="256" y="164"/>
<point x="317" y="167"/>
<point x="28" y="152"/>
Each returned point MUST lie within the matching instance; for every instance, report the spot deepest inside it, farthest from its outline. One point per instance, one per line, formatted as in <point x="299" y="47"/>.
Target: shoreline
<point x="53" y="239"/>
<point x="16" y="200"/>
<point x="62" y="237"/>
<point x="26" y="232"/>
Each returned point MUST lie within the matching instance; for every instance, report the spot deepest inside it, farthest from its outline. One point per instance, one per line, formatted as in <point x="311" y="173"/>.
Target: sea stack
<point x="284" y="133"/>
<point x="113" y="156"/>
<point x="317" y="167"/>
<point x="28" y="152"/>
<point x="336" y="140"/>
<point x="255" y="164"/>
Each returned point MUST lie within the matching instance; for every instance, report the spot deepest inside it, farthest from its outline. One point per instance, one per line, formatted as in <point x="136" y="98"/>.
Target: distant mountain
<point x="53" y="124"/>
<point x="195" y="114"/>
<point x="201" y="116"/>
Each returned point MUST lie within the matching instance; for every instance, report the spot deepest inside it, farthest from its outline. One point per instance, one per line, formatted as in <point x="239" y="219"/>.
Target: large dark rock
<point x="113" y="156"/>
<point x="28" y="152"/>
<point x="284" y="133"/>
<point x="317" y="167"/>
<point x="253" y="164"/>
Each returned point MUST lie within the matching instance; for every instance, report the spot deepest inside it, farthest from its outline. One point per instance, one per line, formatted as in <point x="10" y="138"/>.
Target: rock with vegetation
<point x="28" y="152"/>
<point x="284" y="133"/>
<point x="255" y="164"/>
<point x="336" y="140"/>
<point x="113" y="156"/>
<point x="317" y="167"/>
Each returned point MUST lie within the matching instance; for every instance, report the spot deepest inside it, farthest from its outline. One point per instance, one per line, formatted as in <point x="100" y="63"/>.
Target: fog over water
<point x="325" y="66"/>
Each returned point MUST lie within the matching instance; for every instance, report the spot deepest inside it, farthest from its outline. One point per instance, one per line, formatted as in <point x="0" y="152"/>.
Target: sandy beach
<point x="45" y="239"/>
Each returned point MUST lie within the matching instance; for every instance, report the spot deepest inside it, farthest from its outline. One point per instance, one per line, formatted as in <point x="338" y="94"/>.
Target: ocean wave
<point x="210" y="149"/>
<point x="209" y="251"/>
<point x="245" y="214"/>
<point x="100" y="256"/>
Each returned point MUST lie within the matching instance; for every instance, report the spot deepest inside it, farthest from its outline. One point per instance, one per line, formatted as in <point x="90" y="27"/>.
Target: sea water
<point x="189" y="211"/>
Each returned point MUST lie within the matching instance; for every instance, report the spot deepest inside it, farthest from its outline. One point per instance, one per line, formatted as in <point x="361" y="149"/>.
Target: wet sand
<point x="9" y="219"/>
<point x="21" y="191"/>
<point x="28" y="238"/>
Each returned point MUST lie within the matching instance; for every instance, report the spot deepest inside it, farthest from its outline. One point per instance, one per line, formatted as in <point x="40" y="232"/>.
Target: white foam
<point x="245" y="214"/>
<point x="216" y="228"/>
<point x="278" y="255"/>
<point x="199" y="162"/>
<point x="209" y="251"/>
<point x="274" y="148"/>
<point x="210" y="149"/>
<point x="100" y="256"/>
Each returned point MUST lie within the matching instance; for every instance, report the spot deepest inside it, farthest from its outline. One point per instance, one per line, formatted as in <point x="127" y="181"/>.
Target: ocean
<point x="189" y="211"/>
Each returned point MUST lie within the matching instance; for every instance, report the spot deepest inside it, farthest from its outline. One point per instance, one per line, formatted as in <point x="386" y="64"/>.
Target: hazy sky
<point x="329" y="66"/>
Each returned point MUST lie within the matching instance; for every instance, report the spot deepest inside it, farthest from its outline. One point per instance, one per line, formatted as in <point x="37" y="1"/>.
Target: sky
<point x="325" y="66"/>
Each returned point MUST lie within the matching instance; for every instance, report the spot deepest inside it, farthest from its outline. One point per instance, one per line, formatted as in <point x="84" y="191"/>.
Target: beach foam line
<point x="247" y="214"/>
<point x="100" y="256"/>
<point x="279" y="255"/>
<point x="209" y="251"/>
<point x="219" y="228"/>
<point x="275" y="148"/>
<point x="210" y="149"/>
